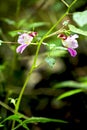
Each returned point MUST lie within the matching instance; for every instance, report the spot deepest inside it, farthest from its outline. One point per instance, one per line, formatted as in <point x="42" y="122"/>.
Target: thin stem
<point x="7" y="42"/>
<point x="55" y="33"/>
<point x="65" y="3"/>
<point x="71" y="5"/>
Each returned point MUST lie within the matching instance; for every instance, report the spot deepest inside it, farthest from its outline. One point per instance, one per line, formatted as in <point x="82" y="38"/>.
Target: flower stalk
<point x="35" y="59"/>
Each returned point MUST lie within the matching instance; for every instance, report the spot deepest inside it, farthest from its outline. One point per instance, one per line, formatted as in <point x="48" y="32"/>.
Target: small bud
<point x="62" y="36"/>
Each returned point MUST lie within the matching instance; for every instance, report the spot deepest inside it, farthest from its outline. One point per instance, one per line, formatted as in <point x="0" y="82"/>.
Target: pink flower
<point x="24" y="40"/>
<point x="70" y="43"/>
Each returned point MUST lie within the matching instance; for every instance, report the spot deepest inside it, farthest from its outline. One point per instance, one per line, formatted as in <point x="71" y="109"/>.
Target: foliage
<point x="45" y="39"/>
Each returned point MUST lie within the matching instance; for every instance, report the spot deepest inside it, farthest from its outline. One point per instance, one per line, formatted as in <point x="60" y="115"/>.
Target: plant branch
<point x="35" y="59"/>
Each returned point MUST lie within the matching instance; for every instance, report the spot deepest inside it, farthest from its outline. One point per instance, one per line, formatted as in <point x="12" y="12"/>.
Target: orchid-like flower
<point x="24" y="40"/>
<point x="70" y="43"/>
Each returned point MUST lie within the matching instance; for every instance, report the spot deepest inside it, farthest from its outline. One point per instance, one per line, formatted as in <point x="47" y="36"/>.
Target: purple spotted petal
<point x="72" y="52"/>
<point x="21" y="48"/>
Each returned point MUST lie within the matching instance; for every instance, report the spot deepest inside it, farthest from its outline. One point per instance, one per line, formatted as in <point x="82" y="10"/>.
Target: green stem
<point x="35" y="59"/>
<point x="34" y="63"/>
<point x="18" y="7"/>
<point x="65" y="3"/>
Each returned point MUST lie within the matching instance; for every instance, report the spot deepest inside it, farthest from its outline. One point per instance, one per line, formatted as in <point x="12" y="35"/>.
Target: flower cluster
<point x="24" y="40"/>
<point x="70" y="43"/>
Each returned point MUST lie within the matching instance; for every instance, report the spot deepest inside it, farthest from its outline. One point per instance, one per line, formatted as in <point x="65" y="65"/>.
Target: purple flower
<point x="24" y="40"/>
<point x="70" y="43"/>
<point x="72" y="52"/>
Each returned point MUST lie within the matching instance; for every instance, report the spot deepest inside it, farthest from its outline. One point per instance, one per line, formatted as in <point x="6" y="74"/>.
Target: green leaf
<point x="25" y="126"/>
<point x="42" y="120"/>
<point x="83" y="79"/>
<point x="37" y="24"/>
<point x="21" y="23"/>
<point x="58" y="53"/>
<point x="70" y="84"/>
<point x="13" y="117"/>
<point x="1" y="42"/>
<point x="77" y="30"/>
<point x="15" y="32"/>
<point x="80" y="18"/>
<point x="1" y="125"/>
<point x="8" y="21"/>
<point x="51" y="61"/>
<point x="39" y="120"/>
<point x="69" y="93"/>
<point x="84" y="27"/>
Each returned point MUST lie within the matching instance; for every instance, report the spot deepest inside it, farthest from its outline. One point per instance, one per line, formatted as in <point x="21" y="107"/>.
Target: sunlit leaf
<point x="77" y="30"/>
<point x="2" y="67"/>
<point x="1" y="42"/>
<point x="13" y="117"/>
<point x="84" y="27"/>
<point x="13" y="33"/>
<point x="69" y="93"/>
<point x="70" y="84"/>
<point x="1" y="125"/>
<point x="80" y="18"/>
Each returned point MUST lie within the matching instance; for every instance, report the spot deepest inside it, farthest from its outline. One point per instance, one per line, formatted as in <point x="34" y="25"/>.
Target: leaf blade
<point x="77" y="30"/>
<point x="69" y="93"/>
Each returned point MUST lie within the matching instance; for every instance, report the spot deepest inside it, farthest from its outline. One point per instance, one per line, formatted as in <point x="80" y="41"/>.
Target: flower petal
<point x="70" y="42"/>
<point x="25" y="38"/>
<point x="21" y="48"/>
<point x="72" y="52"/>
<point x="75" y="36"/>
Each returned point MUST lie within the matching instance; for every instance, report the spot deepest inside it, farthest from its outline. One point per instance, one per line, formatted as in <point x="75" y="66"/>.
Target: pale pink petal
<point x="72" y="52"/>
<point x="25" y="38"/>
<point x="21" y="48"/>
<point x="70" y="42"/>
<point x="75" y="36"/>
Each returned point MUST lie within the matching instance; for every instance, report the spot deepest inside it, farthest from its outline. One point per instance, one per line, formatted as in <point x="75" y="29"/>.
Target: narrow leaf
<point x="8" y="21"/>
<point x="39" y="120"/>
<point x="37" y="24"/>
<point x="69" y="93"/>
<point x="1" y="42"/>
<point x="70" y="84"/>
<point x="13" y="117"/>
<point x="42" y="120"/>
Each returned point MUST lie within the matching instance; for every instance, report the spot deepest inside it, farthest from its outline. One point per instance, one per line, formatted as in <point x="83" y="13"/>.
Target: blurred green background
<point x="39" y="98"/>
